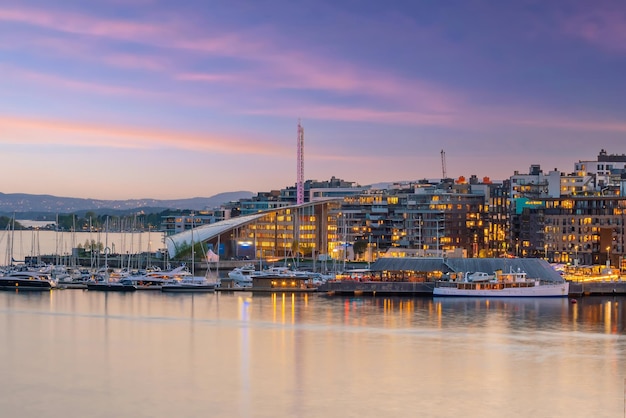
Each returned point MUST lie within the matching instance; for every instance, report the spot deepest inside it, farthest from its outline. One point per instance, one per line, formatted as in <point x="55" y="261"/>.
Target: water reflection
<point x="244" y="305"/>
<point x="610" y="312"/>
<point x="148" y="354"/>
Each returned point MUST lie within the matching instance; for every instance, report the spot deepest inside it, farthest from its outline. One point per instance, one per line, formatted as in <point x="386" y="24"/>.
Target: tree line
<point x="90" y="220"/>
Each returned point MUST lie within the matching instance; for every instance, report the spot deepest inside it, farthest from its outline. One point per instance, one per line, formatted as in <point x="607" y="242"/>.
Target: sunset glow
<point x="120" y="100"/>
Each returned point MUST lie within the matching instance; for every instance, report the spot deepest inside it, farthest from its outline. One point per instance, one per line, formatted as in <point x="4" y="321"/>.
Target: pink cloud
<point x="577" y="124"/>
<point x="303" y="72"/>
<point x="135" y="61"/>
<point x="59" y="83"/>
<point x="356" y="114"/>
<point x="211" y="77"/>
<point x="162" y="34"/>
<point x="601" y="26"/>
<point x="81" y="24"/>
<point x="70" y="46"/>
<point x="85" y="49"/>
<point x="297" y="70"/>
<point x="268" y="65"/>
<point x="67" y="83"/>
<point x="70" y="133"/>
<point x="414" y="96"/>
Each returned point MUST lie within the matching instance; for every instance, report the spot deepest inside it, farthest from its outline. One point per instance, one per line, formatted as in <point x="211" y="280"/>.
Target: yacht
<point x="143" y="282"/>
<point x="77" y="279"/>
<point x="27" y="280"/>
<point x="242" y="276"/>
<point x="178" y="273"/>
<point x="105" y="286"/>
<point x="188" y="284"/>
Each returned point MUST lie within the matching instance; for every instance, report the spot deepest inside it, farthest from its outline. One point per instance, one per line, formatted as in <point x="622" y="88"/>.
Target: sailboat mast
<point x="217" y="265"/>
<point x="73" y="262"/>
<point x="56" y="241"/>
<point x="12" y="237"/>
<point x="106" y="244"/>
<point x="90" y="245"/>
<point x="260" y="251"/>
<point x="192" y="249"/>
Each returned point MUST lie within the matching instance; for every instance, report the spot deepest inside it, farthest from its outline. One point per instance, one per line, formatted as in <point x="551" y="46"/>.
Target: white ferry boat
<point x="512" y="284"/>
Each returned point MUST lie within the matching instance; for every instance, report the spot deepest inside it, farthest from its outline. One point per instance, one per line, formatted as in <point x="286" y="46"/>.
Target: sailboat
<point x="191" y="283"/>
<point x="21" y="278"/>
<point x="105" y="284"/>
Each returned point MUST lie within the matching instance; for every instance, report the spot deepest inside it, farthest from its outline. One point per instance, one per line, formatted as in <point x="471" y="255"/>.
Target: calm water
<point x="74" y="353"/>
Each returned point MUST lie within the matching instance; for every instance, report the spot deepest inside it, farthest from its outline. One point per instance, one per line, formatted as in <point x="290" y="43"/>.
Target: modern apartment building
<point x="561" y="217"/>
<point x="606" y="169"/>
<point x="583" y="224"/>
<point x="433" y="218"/>
<point x="581" y="229"/>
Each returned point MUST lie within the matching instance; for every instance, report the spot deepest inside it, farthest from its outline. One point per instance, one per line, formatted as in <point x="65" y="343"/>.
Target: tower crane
<point x="443" y="164"/>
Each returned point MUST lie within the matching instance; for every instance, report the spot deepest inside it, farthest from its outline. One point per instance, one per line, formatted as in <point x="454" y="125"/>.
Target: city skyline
<point x="148" y="99"/>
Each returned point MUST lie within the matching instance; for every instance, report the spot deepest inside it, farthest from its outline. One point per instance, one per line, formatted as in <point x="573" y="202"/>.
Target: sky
<point x="124" y="99"/>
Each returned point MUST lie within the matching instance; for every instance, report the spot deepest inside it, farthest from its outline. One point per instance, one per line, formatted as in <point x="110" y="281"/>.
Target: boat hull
<point x="72" y="286"/>
<point x="25" y="285"/>
<point x="104" y="287"/>
<point x="544" y="290"/>
<point x="187" y="289"/>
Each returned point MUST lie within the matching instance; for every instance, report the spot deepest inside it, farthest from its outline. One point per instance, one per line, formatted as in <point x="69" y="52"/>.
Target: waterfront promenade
<point x="350" y="287"/>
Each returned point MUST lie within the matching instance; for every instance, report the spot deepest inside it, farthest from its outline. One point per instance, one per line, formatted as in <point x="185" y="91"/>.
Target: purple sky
<point x="126" y="99"/>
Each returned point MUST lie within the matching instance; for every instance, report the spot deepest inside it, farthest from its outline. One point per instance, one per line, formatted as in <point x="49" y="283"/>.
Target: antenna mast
<point x="300" y="180"/>
<point x="443" y="164"/>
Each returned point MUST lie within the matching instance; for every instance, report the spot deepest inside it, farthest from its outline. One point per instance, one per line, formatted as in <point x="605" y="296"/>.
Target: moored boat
<point x="242" y="276"/>
<point x="143" y="282"/>
<point x="512" y="284"/>
<point x="189" y="284"/>
<point x="26" y="280"/>
<point x="111" y="287"/>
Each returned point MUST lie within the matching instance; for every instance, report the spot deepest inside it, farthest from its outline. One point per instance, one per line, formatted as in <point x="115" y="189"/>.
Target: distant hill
<point x="20" y="203"/>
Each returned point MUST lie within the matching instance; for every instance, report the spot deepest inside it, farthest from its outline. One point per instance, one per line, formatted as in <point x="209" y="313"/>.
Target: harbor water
<point x="75" y="353"/>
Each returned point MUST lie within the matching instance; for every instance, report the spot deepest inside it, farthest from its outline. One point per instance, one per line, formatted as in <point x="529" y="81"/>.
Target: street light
<point x="608" y="256"/>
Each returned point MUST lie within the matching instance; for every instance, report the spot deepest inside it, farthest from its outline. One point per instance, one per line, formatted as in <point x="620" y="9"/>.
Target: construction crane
<point x="300" y="175"/>
<point x="443" y="164"/>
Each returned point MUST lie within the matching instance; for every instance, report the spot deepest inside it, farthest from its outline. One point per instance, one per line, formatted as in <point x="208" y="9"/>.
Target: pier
<point x="578" y="289"/>
<point x="351" y="287"/>
<point x="355" y="288"/>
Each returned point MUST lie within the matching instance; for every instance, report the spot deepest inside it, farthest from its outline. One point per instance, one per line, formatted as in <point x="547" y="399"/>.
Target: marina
<point x="355" y="282"/>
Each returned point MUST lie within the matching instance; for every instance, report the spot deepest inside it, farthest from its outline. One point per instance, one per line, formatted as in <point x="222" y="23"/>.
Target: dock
<point x="356" y="288"/>
<point x="266" y="290"/>
<point x="578" y="289"/>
